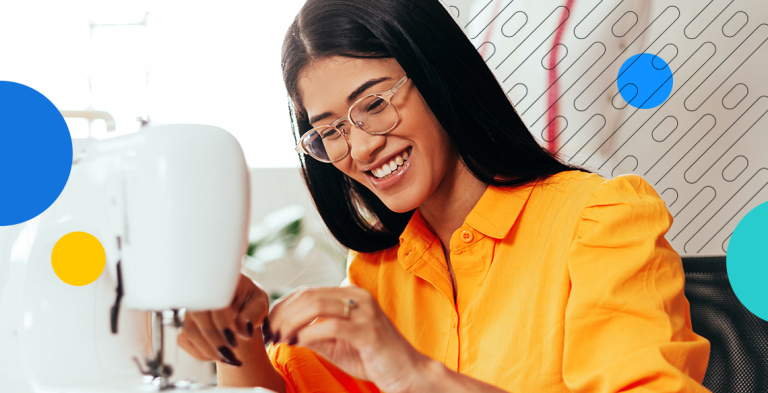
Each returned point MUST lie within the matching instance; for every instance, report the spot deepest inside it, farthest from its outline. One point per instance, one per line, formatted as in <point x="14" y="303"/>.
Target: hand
<point x="365" y="344"/>
<point x="213" y="335"/>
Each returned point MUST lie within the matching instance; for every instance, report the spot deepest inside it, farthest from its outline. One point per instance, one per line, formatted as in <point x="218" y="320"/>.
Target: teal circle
<point x="747" y="261"/>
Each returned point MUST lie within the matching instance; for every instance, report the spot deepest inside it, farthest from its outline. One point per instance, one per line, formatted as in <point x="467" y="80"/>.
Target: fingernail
<point x="249" y="326"/>
<point x="266" y="332"/>
<point x="276" y="340"/>
<point x="294" y="340"/>
<point x="229" y="357"/>
<point x="230" y="337"/>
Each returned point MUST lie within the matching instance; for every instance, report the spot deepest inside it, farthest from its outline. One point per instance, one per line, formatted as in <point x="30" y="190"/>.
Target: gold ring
<point x="348" y="305"/>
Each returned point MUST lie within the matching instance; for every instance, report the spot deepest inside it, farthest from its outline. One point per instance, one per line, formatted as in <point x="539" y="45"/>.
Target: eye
<point x="329" y="134"/>
<point x="375" y="106"/>
<point x="343" y="126"/>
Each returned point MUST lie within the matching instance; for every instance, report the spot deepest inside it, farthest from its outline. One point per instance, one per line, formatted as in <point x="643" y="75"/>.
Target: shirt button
<point x="467" y="236"/>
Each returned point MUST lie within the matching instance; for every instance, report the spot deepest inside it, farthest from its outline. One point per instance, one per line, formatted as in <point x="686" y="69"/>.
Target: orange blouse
<point x="563" y="285"/>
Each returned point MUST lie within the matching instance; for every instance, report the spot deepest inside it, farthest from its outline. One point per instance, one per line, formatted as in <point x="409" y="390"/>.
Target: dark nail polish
<point x="266" y="331"/>
<point x="229" y="357"/>
<point x="249" y="326"/>
<point x="276" y="340"/>
<point x="230" y="337"/>
<point x="227" y="361"/>
<point x="294" y="340"/>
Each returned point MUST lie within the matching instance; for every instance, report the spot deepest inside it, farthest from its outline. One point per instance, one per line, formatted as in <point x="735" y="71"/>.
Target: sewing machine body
<point x="170" y="206"/>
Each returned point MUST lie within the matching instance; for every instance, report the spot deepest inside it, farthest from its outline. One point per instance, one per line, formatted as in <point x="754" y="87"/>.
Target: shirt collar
<point x="493" y="215"/>
<point x="498" y="208"/>
<point x="415" y="239"/>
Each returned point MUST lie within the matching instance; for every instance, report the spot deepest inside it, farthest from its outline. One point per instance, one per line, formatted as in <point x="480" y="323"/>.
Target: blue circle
<point x="747" y="261"/>
<point x="645" y="81"/>
<point x="35" y="153"/>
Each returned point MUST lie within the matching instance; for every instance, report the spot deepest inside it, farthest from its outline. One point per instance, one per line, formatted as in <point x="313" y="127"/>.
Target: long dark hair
<point x="450" y="74"/>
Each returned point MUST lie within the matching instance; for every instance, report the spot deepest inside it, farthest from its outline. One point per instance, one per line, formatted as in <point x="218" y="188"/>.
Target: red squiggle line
<point x="554" y="90"/>
<point x="490" y="26"/>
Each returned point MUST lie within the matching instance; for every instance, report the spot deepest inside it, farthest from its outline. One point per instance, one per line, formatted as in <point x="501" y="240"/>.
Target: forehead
<point x="325" y="84"/>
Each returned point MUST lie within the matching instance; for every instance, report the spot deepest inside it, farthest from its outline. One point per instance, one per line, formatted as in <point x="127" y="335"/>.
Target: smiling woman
<point x="459" y="100"/>
<point x="478" y="262"/>
<point x="405" y="128"/>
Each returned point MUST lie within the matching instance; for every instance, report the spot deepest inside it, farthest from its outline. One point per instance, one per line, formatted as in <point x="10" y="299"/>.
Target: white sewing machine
<point x="170" y="205"/>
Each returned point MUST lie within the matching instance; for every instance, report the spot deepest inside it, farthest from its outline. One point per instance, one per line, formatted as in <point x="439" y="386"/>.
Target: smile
<point x="392" y="171"/>
<point x="390" y="168"/>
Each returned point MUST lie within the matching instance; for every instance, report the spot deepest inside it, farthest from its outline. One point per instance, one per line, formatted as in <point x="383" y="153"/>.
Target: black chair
<point x="738" y="361"/>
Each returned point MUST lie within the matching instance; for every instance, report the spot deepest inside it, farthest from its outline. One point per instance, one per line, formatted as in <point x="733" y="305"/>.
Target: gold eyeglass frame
<point x="386" y="96"/>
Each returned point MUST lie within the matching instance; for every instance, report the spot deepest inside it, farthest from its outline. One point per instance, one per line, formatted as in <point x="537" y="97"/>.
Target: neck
<point x="448" y="206"/>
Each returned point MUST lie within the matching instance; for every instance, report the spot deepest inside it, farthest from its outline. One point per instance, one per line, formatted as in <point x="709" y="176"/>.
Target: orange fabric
<point x="563" y="285"/>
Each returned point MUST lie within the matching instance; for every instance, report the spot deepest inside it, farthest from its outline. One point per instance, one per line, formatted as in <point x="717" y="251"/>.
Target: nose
<point x="363" y="145"/>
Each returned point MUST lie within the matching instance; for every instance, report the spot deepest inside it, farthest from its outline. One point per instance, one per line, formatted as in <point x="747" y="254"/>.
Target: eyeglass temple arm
<point x="398" y="85"/>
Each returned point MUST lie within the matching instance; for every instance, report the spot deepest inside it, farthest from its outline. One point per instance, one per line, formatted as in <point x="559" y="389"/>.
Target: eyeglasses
<point x="373" y="114"/>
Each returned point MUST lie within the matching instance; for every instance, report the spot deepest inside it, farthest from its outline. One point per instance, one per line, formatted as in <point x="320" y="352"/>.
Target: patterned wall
<point x="704" y="147"/>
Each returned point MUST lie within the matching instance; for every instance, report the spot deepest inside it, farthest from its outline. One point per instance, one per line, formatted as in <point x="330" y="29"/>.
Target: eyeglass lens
<point x="372" y="114"/>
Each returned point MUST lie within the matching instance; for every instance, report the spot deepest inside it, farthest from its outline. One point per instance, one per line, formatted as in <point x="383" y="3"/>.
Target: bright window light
<point x="201" y="62"/>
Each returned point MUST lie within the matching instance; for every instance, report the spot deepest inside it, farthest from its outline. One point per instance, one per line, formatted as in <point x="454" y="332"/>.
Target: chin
<point x="401" y="204"/>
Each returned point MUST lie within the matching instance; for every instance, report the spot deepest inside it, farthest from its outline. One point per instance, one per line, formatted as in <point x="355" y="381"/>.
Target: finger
<point x="250" y="306"/>
<point x="192" y="333"/>
<point x="324" y="348"/>
<point x="253" y="310"/>
<point x="270" y="334"/>
<point x="320" y="334"/>
<point x="288" y="306"/>
<point x="224" y="320"/>
<point x="244" y="284"/>
<point x="305" y="308"/>
<point x="215" y="336"/>
<point x="190" y="348"/>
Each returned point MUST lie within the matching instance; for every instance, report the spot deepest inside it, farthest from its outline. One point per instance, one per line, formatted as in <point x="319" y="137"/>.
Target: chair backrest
<point x="738" y="361"/>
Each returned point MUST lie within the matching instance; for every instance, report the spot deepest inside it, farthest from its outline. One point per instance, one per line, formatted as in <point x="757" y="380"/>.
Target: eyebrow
<point x="352" y="97"/>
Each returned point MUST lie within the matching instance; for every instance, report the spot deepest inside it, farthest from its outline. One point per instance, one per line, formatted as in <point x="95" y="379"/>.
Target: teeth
<point x="391" y="166"/>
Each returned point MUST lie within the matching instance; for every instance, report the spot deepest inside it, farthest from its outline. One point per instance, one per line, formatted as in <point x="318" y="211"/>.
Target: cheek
<point x="346" y="167"/>
<point x="427" y="129"/>
<point x="434" y="143"/>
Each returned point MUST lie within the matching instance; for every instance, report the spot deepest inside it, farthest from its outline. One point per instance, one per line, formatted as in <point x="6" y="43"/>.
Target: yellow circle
<point x="78" y="258"/>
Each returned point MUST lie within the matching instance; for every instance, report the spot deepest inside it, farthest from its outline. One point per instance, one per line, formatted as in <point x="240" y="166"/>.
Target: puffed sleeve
<point x="627" y="323"/>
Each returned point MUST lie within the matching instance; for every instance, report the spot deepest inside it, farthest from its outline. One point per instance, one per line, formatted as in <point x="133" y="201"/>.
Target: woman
<point x="481" y="262"/>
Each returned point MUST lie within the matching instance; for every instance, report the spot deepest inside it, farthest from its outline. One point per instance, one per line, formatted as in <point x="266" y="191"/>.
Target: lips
<point x="393" y="178"/>
<point x="391" y="166"/>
